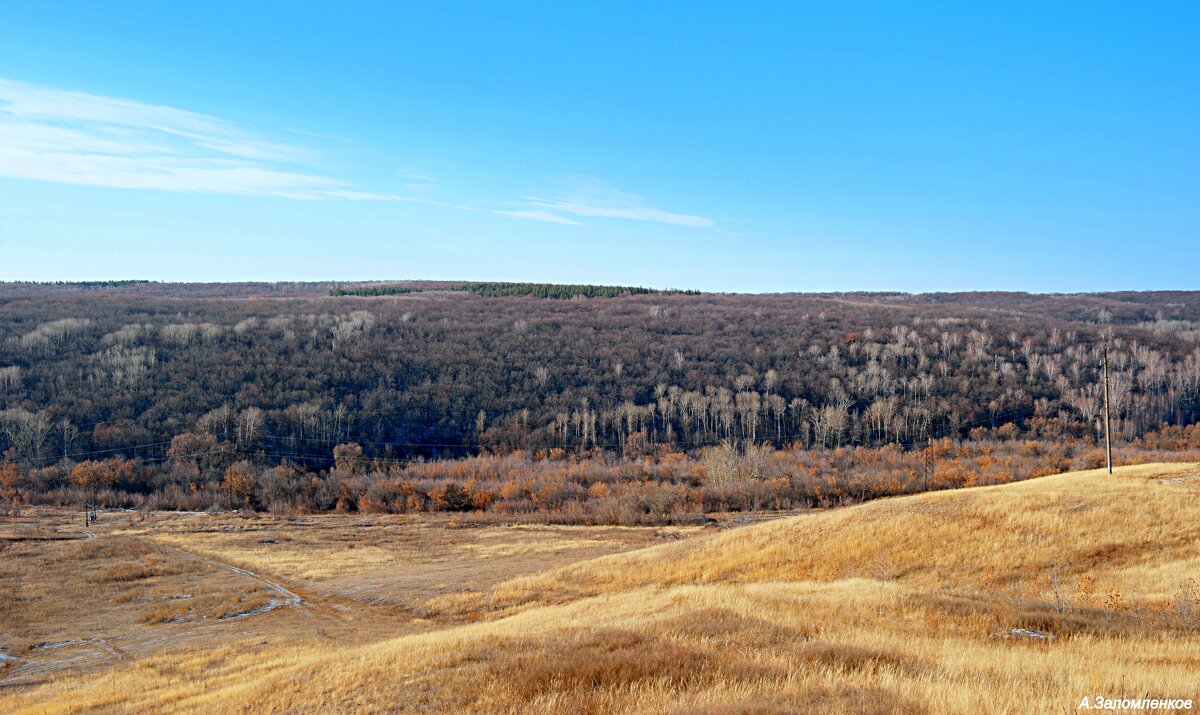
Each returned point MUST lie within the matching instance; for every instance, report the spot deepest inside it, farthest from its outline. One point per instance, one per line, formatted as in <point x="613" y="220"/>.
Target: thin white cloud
<point x="70" y="137"/>
<point x="633" y="213"/>
<point x="538" y="215"/>
<point x="594" y="198"/>
<point x="50" y="134"/>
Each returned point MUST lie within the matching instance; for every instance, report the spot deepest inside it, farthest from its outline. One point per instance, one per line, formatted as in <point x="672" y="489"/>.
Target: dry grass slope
<point x="907" y="605"/>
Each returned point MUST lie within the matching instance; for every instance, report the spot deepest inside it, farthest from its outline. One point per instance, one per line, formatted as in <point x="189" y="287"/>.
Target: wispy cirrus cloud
<point x="538" y="215"/>
<point x="63" y="136"/>
<point x="590" y="197"/>
<point x="71" y="137"/>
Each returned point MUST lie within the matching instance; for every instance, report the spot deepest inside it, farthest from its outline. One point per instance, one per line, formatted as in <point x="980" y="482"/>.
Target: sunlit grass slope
<point x="1136" y="531"/>
<point x="908" y="605"/>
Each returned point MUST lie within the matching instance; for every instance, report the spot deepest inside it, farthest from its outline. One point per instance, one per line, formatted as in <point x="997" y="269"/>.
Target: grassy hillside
<point x="1136" y="531"/>
<point x="909" y="605"/>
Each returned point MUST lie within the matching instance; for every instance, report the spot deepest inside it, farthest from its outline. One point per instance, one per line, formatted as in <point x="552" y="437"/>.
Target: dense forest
<point x="164" y="375"/>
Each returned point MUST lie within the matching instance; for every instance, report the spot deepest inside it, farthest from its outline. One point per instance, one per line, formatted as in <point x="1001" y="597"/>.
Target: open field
<point x="1024" y="597"/>
<point x="140" y="583"/>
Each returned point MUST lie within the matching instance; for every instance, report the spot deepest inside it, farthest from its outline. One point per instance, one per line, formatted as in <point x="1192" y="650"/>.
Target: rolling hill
<point x="1024" y="597"/>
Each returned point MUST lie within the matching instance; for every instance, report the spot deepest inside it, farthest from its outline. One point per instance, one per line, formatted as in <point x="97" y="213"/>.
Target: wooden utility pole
<point x="928" y="446"/>
<point x="1107" y="415"/>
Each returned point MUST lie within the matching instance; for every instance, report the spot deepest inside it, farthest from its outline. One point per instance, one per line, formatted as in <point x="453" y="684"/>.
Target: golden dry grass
<point x="900" y="606"/>
<point x="1136" y="532"/>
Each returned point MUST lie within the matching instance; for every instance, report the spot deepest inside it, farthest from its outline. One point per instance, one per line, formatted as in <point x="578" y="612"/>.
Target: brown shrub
<point x="148" y="567"/>
<point x="859" y="659"/>
<point x="721" y="628"/>
<point x="844" y="698"/>
<point x="111" y="548"/>
<point x="609" y="659"/>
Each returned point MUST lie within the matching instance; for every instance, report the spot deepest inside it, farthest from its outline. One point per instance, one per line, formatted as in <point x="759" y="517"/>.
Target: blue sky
<point x="722" y="146"/>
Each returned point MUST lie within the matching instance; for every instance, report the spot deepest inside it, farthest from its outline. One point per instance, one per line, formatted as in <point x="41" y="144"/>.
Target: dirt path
<point x="286" y="596"/>
<point x="76" y="653"/>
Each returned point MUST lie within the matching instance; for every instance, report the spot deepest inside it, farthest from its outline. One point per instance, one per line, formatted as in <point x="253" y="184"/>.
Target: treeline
<point x="503" y="290"/>
<point x="561" y="291"/>
<point x="435" y="375"/>
<point x="86" y="284"/>
<point x="376" y="290"/>
<point x="663" y="487"/>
